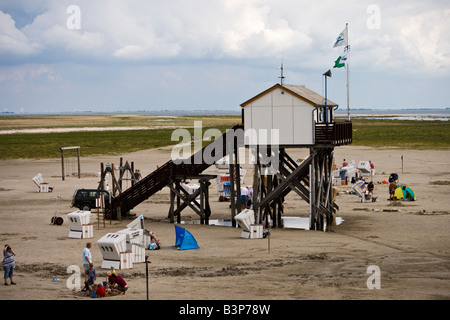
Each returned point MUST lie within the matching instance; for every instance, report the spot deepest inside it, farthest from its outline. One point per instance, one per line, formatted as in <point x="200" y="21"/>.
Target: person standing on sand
<point x="392" y="187"/>
<point x="9" y="263"/>
<point x="87" y="258"/>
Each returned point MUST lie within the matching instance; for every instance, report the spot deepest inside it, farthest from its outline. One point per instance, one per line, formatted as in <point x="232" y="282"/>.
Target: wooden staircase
<point x="161" y="177"/>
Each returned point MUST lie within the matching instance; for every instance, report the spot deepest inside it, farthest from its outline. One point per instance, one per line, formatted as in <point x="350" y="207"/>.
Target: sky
<point x="113" y="55"/>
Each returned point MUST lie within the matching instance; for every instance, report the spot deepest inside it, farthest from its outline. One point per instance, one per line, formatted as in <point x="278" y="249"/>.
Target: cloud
<point x="425" y="36"/>
<point x="14" y="41"/>
<point x="163" y="50"/>
<point x="148" y="32"/>
<point x="139" y="30"/>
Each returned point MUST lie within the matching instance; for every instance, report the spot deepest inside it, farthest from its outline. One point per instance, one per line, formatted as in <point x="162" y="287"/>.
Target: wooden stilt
<point x="237" y="176"/>
<point x="63" y="174"/>
<point x="311" y="180"/>
<point x="232" y="180"/>
<point x="184" y="199"/>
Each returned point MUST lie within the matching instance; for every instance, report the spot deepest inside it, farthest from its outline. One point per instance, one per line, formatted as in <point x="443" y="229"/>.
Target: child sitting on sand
<point x="100" y="292"/>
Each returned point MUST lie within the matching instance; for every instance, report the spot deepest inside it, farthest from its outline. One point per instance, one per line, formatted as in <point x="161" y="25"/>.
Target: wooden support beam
<point x="63" y="174"/>
<point x="301" y="169"/>
<point x="232" y="180"/>
<point x="79" y="165"/>
<point x="202" y="208"/>
<point x="237" y="176"/>
<point x="188" y="200"/>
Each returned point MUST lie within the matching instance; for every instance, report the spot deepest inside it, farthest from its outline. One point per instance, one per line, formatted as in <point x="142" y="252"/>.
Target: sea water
<point x="425" y="114"/>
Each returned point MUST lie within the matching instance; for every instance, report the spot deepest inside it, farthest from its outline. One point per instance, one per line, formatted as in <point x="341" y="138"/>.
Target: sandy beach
<point x="408" y="241"/>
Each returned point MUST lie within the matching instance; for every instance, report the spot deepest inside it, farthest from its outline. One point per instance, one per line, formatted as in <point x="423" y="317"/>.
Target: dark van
<point x="85" y="199"/>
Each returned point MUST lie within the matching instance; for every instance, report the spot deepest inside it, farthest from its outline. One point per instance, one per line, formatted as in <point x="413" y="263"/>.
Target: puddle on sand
<point x="288" y="222"/>
<point x="302" y="223"/>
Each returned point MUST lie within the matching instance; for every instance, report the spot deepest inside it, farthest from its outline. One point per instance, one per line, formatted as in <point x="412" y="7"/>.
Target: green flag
<point x="342" y="60"/>
<point x="338" y="64"/>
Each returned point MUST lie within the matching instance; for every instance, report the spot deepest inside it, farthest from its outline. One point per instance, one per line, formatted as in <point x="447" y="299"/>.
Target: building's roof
<point x="300" y="92"/>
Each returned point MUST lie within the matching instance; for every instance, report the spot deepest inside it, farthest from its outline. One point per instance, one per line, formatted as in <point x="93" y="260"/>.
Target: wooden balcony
<point x="335" y="133"/>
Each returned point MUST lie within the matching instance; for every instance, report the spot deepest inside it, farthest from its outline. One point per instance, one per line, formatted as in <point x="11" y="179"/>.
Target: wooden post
<point x="132" y="173"/>
<point x="121" y="173"/>
<point x="113" y="179"/>
<point x="98" y="212"/>
<point x="207" y="207"/>
<point x="237" y="176"/>
<point x="312" y="188"/>
<point x="146" y="272"/>
<point x="202" y="211"/>
<point x="256" y="187"/>
<point x="329" y="199"/>
<point x="79" y="166"/>
<point x="103" y="208"/>
<point x="178" y="188"/>
<point x="62" y="164"/>
<point x="232" y="191"/>
<point x="110" y="210"/>
<point x="402" y="164"/>
<point x="172" y="203"/>
<point x="102" y="176"/>
<point x="281" y="160"/>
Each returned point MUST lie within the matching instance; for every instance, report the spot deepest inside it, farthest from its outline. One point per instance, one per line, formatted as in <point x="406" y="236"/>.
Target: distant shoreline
<point x="339" y="111"/>
<point x="148" y="113"/>
<point x="419" y="114"/>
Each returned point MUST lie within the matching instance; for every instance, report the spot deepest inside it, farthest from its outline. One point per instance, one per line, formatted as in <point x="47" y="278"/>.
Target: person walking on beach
<point x="87" y="258"/>
<point x="9" y="263"/>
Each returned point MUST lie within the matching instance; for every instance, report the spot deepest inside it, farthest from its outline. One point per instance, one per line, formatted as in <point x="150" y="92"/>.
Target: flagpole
<point x="347" y="67"/>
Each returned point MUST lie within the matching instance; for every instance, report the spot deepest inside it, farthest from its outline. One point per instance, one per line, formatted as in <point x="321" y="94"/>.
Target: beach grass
<point x="378" y="133"/>
<point x="111" y="120"/>
<point x="92" y="143"/>
<point x="401" y="134"/>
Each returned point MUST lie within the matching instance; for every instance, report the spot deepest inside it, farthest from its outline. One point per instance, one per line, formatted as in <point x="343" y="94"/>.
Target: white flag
<point x="346" y="54"/>
<point x="341" y="39"/>
<point x="343" y="59"/>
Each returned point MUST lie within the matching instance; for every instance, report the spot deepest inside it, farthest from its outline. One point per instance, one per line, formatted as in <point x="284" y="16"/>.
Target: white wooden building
<point x="300" y="117"/>
<point x="293" y="110"/>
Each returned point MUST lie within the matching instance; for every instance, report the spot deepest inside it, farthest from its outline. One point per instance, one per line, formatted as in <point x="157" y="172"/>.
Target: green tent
<point x="405" y="193"/>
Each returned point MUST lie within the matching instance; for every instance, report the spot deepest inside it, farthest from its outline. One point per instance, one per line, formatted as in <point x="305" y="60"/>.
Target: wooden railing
<point x="336" y="133"/>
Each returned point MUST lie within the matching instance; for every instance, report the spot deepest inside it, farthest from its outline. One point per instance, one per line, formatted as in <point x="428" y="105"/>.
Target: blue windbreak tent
<point x="184" y="240"/>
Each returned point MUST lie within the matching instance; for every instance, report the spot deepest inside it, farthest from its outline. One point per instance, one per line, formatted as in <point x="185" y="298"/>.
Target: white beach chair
<point x="113" y="247"/>
<point x="360" y="190"/>
<point x="246" y="220"/>
<point x="79" y="225"/>
<point x="42" y="185"/>
<point x="365" y="169"/>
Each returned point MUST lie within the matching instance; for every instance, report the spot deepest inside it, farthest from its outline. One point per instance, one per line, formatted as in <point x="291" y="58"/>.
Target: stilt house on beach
<point x="303" y="119"/>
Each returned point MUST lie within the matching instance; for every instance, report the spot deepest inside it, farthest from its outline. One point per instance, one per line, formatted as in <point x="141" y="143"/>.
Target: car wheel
<point x="86" y="207"/>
